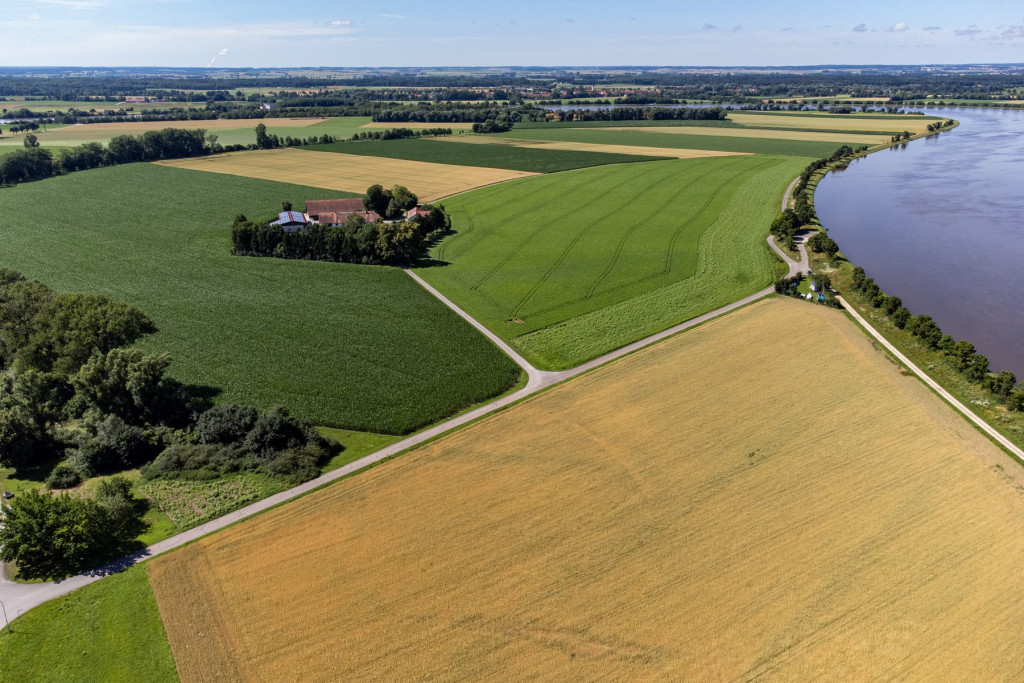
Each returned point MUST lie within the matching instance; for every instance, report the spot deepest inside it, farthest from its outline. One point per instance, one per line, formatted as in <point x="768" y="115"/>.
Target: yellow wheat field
<point x="349" y="172"/>
<point x="763" y="497"/>
<point x="853" y="122"/>
<point x="775" y="134"/>
<point x="593" y="147"/>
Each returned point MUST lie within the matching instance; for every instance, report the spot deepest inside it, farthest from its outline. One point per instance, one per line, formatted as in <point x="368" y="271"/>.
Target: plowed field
<point x="689" y="512"/>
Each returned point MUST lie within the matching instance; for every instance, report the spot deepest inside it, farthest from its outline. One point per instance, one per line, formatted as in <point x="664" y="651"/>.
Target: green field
<point x="532" y="257"/>
<point x="796" y="148"/>
<point x="107" y="631"/>
<point x="533" y="125"/>
<point x="488" y="156"/>
<point x="340" y="127"/>
<point x="358" y="347"/>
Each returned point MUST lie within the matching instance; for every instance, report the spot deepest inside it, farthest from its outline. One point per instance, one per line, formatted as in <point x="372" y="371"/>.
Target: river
<point x="939" y="222"/>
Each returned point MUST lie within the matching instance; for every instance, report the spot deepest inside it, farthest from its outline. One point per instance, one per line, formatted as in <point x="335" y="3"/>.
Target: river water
<point x="940" y="223"/>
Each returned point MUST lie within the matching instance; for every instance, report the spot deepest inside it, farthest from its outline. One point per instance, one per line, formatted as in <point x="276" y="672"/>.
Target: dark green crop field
<point x="531" y="256"/>
<point x="661" y="123"/>
<point x="107" y="631"/>
<point x="488" y="156"/>
<point x="359" y="347"/>
<point x="795" y="148"/>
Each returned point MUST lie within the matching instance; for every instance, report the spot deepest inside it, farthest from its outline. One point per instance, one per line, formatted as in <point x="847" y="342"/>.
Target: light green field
<point x="532" y="257"/>
<point x="106" y="631"/>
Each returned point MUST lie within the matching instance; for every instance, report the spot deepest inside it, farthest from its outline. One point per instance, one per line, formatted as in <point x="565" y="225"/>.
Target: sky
<point x="266" y="33"/>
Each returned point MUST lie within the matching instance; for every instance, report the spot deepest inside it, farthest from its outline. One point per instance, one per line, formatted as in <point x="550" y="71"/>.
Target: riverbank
<point x="937" y="363"/>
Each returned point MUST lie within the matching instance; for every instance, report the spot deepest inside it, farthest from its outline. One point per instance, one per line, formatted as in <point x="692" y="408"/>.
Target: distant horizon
<point x="255" y="34"/>
<point x="518" y="67"/>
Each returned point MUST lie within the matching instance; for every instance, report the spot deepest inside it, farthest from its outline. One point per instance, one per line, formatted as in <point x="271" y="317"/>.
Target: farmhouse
<point x="416" y="212"/>
<point x="291" y="221"/>
<point x="135" y="100"/>
<point x="318" y="208"/>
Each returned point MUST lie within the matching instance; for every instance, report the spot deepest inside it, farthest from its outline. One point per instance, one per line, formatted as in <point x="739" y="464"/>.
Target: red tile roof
<point x="318" y="206"/>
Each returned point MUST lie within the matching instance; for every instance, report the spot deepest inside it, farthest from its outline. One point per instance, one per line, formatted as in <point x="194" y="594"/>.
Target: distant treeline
<point x="35" y="163"/>
<point x="642" y="114"/>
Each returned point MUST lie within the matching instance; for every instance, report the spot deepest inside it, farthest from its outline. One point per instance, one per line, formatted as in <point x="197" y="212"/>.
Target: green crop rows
<point x="541" y="251"/>
<point x="488" y="156"/>
<point x="343" y="345"/>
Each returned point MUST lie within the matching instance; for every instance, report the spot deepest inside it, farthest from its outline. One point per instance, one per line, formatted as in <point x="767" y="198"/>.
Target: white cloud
<point x="932" y="28"/>
<point x="969" y="31"/>
<point x="860" y="28"/>
<point x="708" y="27"/>
<point x="34" y="17"/>
<point x="899" y="28"/>
<point x="341" y="22"/>
<point x="1014" y="32"/>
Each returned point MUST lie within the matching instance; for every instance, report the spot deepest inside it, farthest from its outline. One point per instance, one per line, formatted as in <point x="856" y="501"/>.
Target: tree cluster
<point x="382" y="242"/>
<point x="54" y="536"/>
<point x="962" y="354"/>
<point x="77" y="400"/>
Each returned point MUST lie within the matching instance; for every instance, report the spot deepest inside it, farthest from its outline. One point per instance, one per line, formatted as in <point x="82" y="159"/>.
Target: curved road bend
<point x="20" y="597"/>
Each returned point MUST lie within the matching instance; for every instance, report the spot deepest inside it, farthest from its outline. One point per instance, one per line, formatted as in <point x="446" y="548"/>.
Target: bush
<point x="198" y="461"/>
<point x="64" y="476"/>
<point x="297" y="465"/>
<point x="116" y="446"/>
<point x="226" y="424"/>
<point x="276" y="430"/>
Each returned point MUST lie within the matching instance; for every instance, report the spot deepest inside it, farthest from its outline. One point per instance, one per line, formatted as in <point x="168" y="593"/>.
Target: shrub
<point x="226" y="424"/>
<point x="63" y="476"/>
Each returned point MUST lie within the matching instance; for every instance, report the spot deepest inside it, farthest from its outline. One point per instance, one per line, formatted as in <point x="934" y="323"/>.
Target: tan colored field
<point x="414" y="125"/>
<point x="765" y="496"/>
<point x="774" y="134"/>
<point x="86" y="132"/>
<point x="853" y="122"/>
<point x="593" y="147"/>
<point x="349" y="172"/>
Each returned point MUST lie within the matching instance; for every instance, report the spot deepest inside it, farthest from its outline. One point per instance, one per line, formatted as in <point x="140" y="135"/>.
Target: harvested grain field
<point x="865" y="124"/>
<point x="349" y="172"/>
<point x="593" y="147"/>
<point x="775" y="134"/>
<point x="688" y="512"/>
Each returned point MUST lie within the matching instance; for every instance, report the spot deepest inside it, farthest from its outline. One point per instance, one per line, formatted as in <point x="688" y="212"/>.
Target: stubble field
<point x="643" y="521"/>
<point x="349" y="173"/>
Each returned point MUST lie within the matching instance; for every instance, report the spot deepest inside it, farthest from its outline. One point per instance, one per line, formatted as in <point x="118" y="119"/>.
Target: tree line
<point x="382" y="242"/>
<point x="36" y="163"/>
<point x="962" y="354"/>
<point x="641" y="114"/>
<point x="78" y="400"/>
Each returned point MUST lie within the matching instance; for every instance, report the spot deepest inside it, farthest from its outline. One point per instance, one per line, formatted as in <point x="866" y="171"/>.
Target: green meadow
<point x="342" y="345"/>
<point x="796" y="148"/>
<point x="489" y="156"/>
<point x="531" y="257"/>
<point x="107" y="631"/>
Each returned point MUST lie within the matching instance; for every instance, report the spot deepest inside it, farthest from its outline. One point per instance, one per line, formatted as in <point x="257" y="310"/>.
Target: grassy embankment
<point x="107" y="631"/>
<point x="570" y="266"/>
